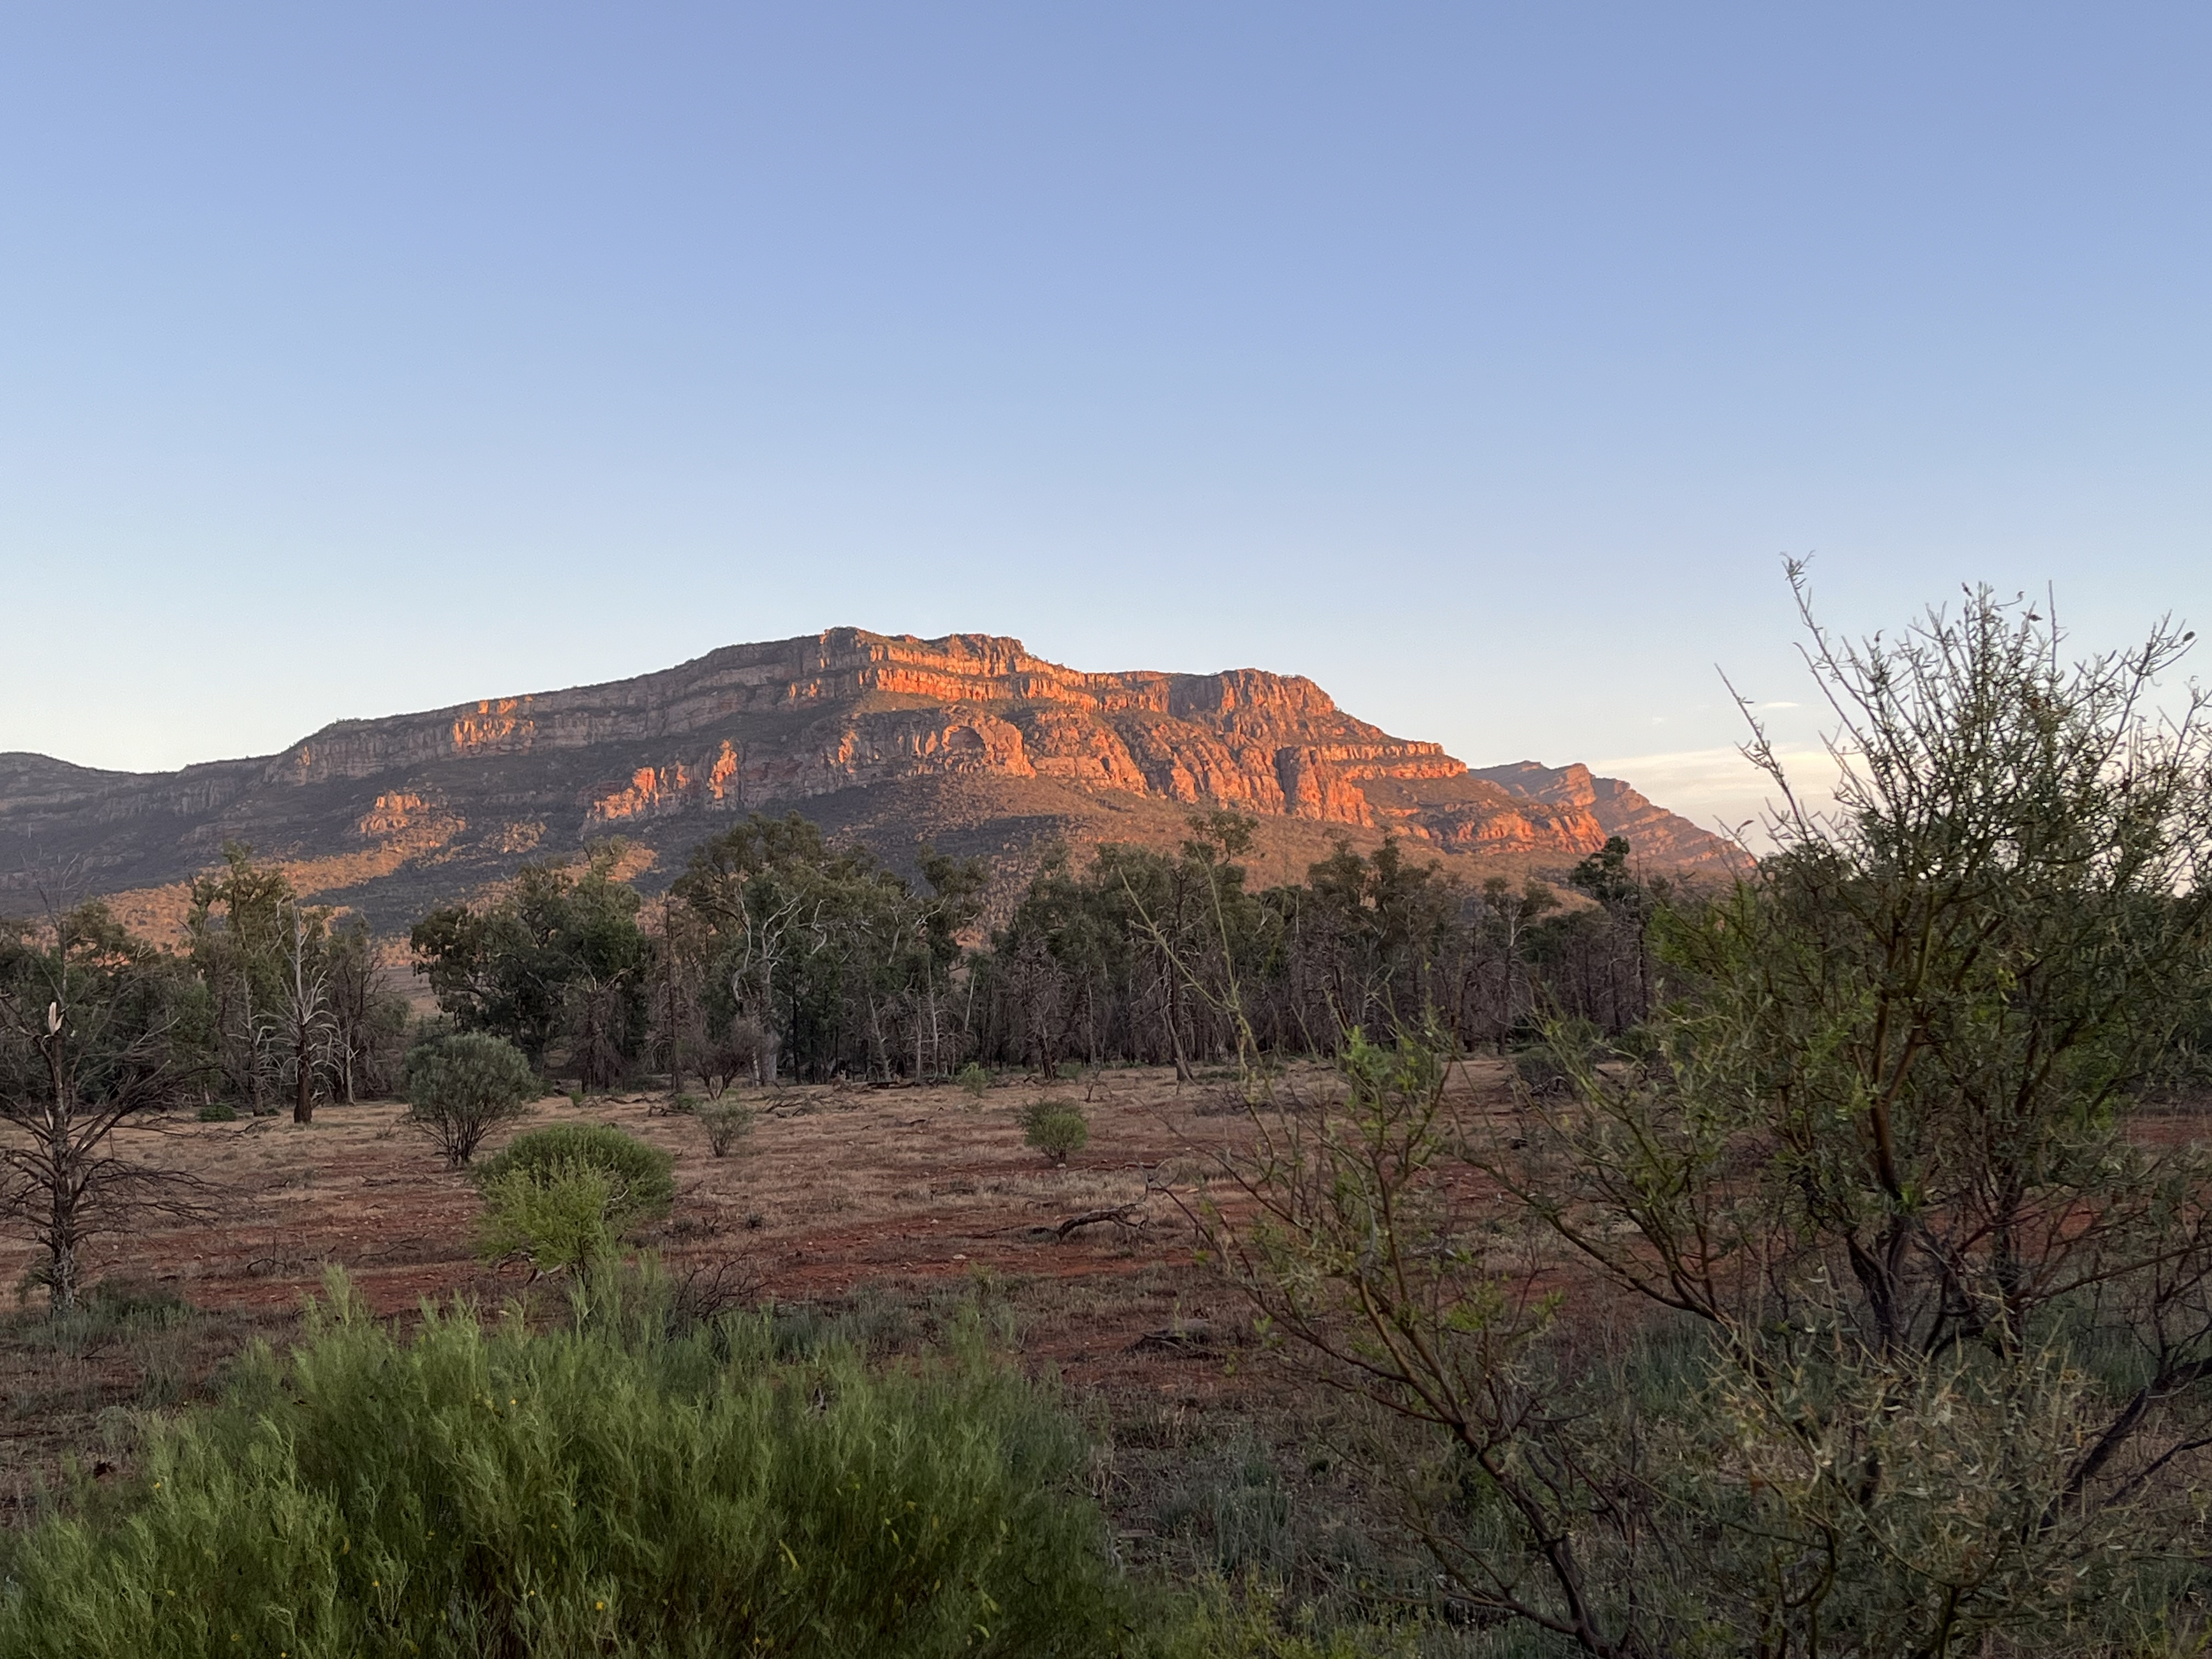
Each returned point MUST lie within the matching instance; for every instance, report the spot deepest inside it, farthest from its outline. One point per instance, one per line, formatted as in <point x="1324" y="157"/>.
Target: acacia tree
<point x="1927" y="1339"/>
<point x="88" y="1027"/>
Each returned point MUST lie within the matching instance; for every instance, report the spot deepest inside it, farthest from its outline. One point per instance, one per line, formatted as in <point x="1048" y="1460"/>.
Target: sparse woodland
<point x="1837" y="1282"/>
<point x="775" y="954"/>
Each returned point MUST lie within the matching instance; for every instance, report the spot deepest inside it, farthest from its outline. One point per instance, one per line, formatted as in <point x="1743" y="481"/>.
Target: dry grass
<point x="883" y="1202"/>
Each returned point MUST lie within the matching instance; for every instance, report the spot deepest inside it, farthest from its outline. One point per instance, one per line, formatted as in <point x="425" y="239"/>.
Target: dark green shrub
<point x="1055" y="1128"/>
<point x="607" y="1489"/>
<point x="460" y="1088"/>
<point x="218" y="1111"/>
<point x="640" y="1179"/>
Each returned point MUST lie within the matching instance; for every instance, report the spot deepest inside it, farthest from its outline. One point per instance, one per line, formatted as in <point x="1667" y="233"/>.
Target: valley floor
<point x="881" y="1211"/>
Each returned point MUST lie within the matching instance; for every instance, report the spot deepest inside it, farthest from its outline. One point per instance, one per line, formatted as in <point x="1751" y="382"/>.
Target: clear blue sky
<point x="1477" y="362"/>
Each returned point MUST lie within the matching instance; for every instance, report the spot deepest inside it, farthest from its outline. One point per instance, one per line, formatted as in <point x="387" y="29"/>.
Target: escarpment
<point x="968" y="740"/>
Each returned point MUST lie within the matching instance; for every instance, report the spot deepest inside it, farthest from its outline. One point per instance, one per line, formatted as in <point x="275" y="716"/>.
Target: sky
<point x="1481" y="362"/>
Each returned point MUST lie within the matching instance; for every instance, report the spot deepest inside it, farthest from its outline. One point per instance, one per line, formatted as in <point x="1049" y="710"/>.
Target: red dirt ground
<point x="839" y="1192"/>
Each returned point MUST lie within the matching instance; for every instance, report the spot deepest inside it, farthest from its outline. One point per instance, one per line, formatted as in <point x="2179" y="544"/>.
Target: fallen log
<point x="1130" y="1215"/>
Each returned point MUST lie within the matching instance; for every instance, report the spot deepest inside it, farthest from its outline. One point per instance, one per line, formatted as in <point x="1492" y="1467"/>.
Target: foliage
<point x="640" y="1179"/>
<point x="240" y="928"/>
<point x="461" y="1087"/>
<point x="778" y="954"/>
<point x="1055" y="1128"/>
<point x="559" y="961"/>
<point x="1935" y="1316"/>
<point x="218" y="1111"/>
<point x="609" y="1488"/>
<point x="1249" y="1621"/>
<point x="558" y="1217"/>
<point x="296" y="1004"/>
<point x="976" y="1079"/>
<point x="1163" y="959"/>
<point x="821" y="954"/>
<point x="726" y="1123"/>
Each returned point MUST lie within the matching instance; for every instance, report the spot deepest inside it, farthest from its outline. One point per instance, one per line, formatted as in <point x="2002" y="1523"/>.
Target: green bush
<point x="1251" y="1620"/>
<point x="640" y="1179"/>
<point x="218" y="1111"/>
<point x="559" y="1218"/>
<point x="975" y="1078"/>
<point x="726" y="1123"/>
<point x="1055" y="1128"/>
<point x="608" y="1489"/>
<point x="460" y="1088"/>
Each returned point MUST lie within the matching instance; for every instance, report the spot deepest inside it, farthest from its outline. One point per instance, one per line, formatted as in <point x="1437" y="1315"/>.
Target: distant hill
<point x="967" y="742"/>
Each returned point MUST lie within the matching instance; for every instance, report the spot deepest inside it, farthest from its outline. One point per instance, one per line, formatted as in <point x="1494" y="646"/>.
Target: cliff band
<point x="969" y="738"/>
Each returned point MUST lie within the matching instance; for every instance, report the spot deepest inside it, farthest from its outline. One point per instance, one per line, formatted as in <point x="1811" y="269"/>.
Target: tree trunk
<point x="61" y="1169"/>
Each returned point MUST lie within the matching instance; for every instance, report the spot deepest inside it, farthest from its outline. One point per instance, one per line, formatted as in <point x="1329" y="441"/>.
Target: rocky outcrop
<point x="1658" y="835"/>
<point x="776" y="726"/>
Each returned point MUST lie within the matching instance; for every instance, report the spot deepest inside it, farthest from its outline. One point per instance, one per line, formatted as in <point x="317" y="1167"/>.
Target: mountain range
<point x="968" y="743"/>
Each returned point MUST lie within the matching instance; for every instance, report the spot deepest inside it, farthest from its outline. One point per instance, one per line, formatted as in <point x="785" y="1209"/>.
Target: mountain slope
<point x="968" y="741"/>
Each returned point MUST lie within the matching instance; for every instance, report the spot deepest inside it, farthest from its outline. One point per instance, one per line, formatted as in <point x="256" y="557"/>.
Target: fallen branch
<point x="1180" y="1337"/>
<point x="1130" y="1215"/>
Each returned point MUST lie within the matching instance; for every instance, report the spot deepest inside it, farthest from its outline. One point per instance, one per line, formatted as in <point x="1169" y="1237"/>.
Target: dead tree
<point x="85" y="1048"/>
<point x="305" y="1029"/>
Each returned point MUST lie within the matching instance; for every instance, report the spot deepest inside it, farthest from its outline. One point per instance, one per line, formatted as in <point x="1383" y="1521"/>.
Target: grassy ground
<point x="872" y="1211"/>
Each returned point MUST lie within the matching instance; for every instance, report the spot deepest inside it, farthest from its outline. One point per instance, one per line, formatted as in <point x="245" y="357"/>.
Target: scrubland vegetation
<point x="1836" y="1278"/>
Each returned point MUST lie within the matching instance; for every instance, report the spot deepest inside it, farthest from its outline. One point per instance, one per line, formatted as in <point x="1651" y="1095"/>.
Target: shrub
<point x="462" y="1087"/>
<point x="1055" y="1128"/>
<point x="611" y="1488"/>
<point x="218" y="1111"/>
<point x="1251" y="1620"/>
<point x="975" y="1078"/>
<point x="726" y="1123"/>
<point x="559" y="1218"/>
<point x="640" y="1179"/>
<point x="685" y="1105"/>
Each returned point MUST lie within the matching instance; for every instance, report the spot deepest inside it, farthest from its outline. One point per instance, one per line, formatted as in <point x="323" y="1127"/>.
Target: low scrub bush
<point x="1055" y="1128"/>
<point x="726" y="1123"/>
<point x="218" y="1111"/>
<point x="563" y="1196"/>
<point x="606" y="1489"/>
<point x="975" y="1078"/>
<point x="460" y="1088"/>
<point x="1251" y="1620"/>
<point x="642" y="1177"/>
<point x="558" y="1218"/>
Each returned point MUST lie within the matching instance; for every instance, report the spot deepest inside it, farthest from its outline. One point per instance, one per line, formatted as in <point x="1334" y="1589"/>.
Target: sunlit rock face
<point x="970" y="728"/>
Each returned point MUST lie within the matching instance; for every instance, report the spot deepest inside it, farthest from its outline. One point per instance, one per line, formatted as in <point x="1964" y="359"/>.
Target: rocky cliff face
<point x="663" y="756"/>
